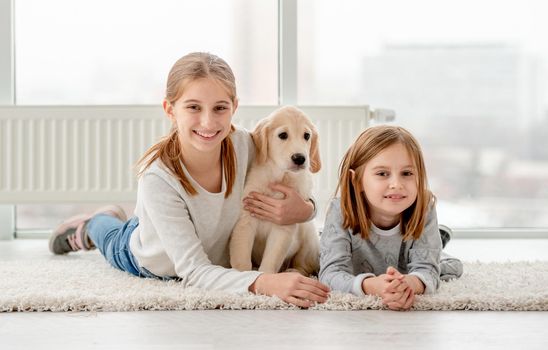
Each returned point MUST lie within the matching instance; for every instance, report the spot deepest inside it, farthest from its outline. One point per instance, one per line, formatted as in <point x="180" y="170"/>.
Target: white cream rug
<point x="85" y="282"/>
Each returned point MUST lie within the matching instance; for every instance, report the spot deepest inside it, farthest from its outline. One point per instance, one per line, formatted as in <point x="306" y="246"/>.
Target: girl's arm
<point x="291" y="287"/>
<point x="336" y="267"/>
<point x="424" y="257"/>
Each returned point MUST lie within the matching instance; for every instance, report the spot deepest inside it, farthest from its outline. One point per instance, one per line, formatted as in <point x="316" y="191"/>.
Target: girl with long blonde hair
<point x="189" y="196"/>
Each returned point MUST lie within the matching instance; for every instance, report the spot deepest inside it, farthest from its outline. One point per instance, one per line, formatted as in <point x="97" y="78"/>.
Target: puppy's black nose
<point x="298" y="158"/>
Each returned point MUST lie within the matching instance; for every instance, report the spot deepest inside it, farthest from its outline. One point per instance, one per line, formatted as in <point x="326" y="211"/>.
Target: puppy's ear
<point x="260" y="139"/>
<point x="315" y="162"/>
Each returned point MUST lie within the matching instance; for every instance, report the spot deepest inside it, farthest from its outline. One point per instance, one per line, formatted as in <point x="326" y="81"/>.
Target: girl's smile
<point x="207" y="135"/>
<point x="395" y="197"/>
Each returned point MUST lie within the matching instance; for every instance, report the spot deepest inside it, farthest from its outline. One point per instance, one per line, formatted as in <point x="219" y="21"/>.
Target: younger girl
<point x="189" y="196"/>
<point x="381" y="236"/>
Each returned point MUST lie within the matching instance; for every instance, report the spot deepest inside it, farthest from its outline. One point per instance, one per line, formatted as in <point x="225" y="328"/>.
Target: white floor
<point x="285" y="329"/>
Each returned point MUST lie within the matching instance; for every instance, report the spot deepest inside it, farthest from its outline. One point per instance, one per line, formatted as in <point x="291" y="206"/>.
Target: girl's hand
<point x="393" y="289"/>
<point x="291" y="287"/>
<point x="384" y="284"/>
<point x="291" y="209"/>
<point x="400" y="302"/>
<point x="415" y="283"/>
<point x="398" y="294"/>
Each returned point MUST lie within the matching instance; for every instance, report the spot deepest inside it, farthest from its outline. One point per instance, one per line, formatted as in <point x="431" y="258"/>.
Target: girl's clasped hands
<point x="396" y="290"/>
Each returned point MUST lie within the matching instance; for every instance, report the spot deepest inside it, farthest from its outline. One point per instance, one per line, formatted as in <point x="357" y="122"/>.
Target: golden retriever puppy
<point x="287" y="152"/>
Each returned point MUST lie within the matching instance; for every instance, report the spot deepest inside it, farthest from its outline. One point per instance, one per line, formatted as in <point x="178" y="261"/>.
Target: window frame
<point x="7" y="96"/>
<point x="287" y="94"/>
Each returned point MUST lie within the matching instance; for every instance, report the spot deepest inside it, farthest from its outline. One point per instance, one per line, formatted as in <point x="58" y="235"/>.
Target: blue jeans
<point x="111" y="236"/>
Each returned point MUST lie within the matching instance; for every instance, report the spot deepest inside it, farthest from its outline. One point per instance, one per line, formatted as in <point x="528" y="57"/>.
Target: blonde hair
<point x="355" y="209"/>
<point x="189" y="68"/>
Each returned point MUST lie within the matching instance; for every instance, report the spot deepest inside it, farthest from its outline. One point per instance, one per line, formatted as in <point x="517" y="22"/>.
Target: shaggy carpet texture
<point x="85" y="282"/>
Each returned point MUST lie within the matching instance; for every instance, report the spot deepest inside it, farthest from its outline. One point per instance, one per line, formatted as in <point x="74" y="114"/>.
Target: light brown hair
<point x="194" y="66"/>
<point x="355" y="209"/>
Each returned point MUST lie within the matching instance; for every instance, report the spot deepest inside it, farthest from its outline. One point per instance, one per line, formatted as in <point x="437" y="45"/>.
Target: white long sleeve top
<point x="187" y="236"/>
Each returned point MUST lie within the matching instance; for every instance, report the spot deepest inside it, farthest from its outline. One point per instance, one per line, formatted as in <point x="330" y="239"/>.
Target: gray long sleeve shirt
<point x="347" y="259"/>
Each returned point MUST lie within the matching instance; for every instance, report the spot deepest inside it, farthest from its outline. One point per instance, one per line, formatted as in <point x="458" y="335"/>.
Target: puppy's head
<point x="289" y="139"/>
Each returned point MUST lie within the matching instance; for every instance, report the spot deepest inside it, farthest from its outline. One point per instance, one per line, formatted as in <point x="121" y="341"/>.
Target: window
<point x="468" y="78"/>
<point x="119" y="52"/>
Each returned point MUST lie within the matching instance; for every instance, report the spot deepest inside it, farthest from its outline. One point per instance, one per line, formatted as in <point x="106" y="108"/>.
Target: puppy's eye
<point x="283" y="135"/>
<point x="307" y="136"/>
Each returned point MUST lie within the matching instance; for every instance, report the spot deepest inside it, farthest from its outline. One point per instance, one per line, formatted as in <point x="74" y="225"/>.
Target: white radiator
<point x="86" y="153"/>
